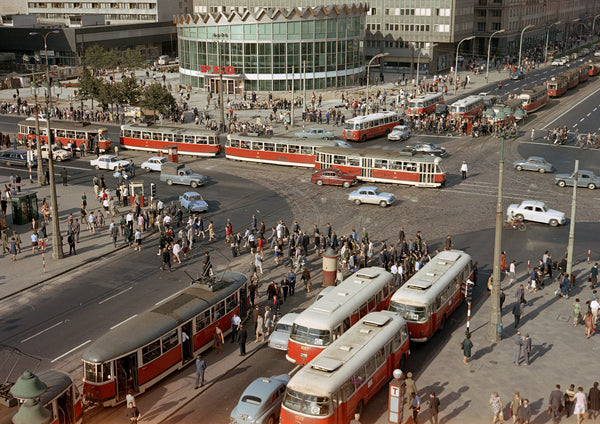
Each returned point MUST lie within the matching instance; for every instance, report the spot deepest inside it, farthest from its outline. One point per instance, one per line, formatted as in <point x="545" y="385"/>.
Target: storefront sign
<point x="205" y="69"/>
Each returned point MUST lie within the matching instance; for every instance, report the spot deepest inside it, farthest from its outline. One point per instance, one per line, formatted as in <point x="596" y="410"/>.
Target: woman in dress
<point x="218" y="339"/>
<point x="259" y="327"/>
<point x="515" y="407"/>
<point x="589" y="324"/>
<point x="258" y="262"/>
<point x="268" y="320"/>
<point x="580" y="404"/>
<point x="211" y="231"/>
<point x="306" y="278"/>
<point x="576" y="312"/>
<point x="496" y="404"/>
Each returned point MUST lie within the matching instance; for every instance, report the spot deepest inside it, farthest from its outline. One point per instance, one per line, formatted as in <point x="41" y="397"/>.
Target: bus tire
<point x="363" y="138"/>
<point x="360" y="407"/>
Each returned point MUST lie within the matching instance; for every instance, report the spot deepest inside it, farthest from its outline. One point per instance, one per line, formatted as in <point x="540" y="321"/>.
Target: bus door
<point x="186" y="345"/>
<point x="64" y="407"/>
<point x="367" y="167"/>
<point x="127" y="375"/>
<point x="427" y="173"/>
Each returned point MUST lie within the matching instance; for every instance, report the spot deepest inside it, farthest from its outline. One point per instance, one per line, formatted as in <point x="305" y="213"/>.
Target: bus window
<point x="349" y="125"/>
<point x="370" y="367"/>
<point x="372" y="303"/>
<point x="315" y="405"/>
<point x="359" y="378"/>
<point x="170" y="341"/>
<point x="348" y="389"/>
<point x="363" y="310"/>
<point x="202" y="320"/>
<point x="150" y="352"/>
<point x="380" y="357"/>
<point x="346" y="324"/>
<point x="318" y="337"/>
<point x="415" y="313"/>
<point x="299" y="333"/>
<point x="397" y="342"/>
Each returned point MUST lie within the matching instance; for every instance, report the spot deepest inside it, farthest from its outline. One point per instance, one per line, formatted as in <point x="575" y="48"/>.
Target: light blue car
<point x="261" y="401"/>
<point x="372" y="195"/>
<point x="314" y="133"/>
<point x="193" y="202"/>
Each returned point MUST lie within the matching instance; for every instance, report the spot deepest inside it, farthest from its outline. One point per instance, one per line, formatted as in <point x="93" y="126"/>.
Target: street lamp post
<point x="521" y="42"/>
<point x="57" y="248"/>
<point x="369" y="69"/>
<point x="41" y="176"/>
<point x="456" y="64"/>
<point x="547" y="39"/>
<point x="487" y="66"/>
<point x="419" y="59"/>
<point x="219" y="37"/>
<point x="571" y="244"/>
<point x="304" y="89"/>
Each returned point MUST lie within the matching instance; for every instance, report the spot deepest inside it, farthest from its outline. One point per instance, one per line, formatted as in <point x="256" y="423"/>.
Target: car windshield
<point x="195" y="198"/>
<point x="409" y="312"/>
<point x="306" y="404"/>
<point x="284" y="328"/>
<point x="253" y="400"/>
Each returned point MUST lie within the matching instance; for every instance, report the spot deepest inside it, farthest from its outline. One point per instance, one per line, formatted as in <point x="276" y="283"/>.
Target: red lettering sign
<point x="205" y="69"/>
<point x="229" y="70"/>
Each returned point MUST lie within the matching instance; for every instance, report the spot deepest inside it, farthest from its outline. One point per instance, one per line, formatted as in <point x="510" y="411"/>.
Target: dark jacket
<point x="556" y="398"/>
<point x="242" y="336"/>
<point x="594" y="399"/>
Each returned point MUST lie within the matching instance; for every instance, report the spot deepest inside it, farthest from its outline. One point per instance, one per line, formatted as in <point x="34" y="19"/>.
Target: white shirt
<point x="594" y="304"/>
<point x="394" y="269"/>
<point x="463" y="167"/>
<point x="512" y="267"/>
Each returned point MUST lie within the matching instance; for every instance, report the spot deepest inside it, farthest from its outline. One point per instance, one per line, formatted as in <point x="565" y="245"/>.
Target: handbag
<point x="501" y="416"/>
<point x="586" y="415"/>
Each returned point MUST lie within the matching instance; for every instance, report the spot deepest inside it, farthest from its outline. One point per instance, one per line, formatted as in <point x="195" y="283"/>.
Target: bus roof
<point x="166" y="128"/>
<point x="150" y="325"/>
<point x="294" y="141"/>
<point x="371" y="117"/>
<point x="331" y="368"/>
<point x="424" y="286"/>
<point x="428" y="96"/>
<point x="68" y="125"/>
<point x="380" y="154"/>
<point x="344" y="299"/>
<point x="467" y="100"/>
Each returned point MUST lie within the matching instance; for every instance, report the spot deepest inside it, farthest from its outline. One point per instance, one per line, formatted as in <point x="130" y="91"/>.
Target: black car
<point x="427" y="149"/>
<point x="14" y="157"/>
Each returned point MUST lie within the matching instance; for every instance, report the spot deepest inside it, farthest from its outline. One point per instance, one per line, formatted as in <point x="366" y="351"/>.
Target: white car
<point x="531" y="210"/>
<point x="280" y="336"/>
<point x="110" y="162"/>
<point x="153" y="164"/>
<point x="399" y="133"/>
<point x="58" y="153"/>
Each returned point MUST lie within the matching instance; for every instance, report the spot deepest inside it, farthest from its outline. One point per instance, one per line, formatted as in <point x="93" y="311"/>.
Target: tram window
<point x="353" y="162"/>
<point x="359" y="377"/>
<point x="363" y="310"/>
<point x="189" y="139"/>
<point x="410" y="166"/>
<point x="339" y="160"/>
<point x="178" y="138"/>
<point x="381" y="164"/>
<point x="380" y="357"/>
<point x="31" y="130"/>
<point x="202" y="139"/>
<point x="136" y="134"/>
<point x="202" y="320"/>
<point x="126" y="133"/>
<point x="257" y="145"/>
<point x="371" y="366"/>
<point x="269" y="147"/>
<point x="60" y="133"/>
<point x="306" y="150"/>
<point x="151" y="352"/>
<point x="90" y="372"/>
<point x="147" y="135"/>
<point x="348" y="389"/>
<point x="157" y="136"/>
<point x="210" y="140"/>
<point x="219" y="310"/>
<point x="397" y="165"/>
<point x="170" y="341"/>
<point x="371" y="303"/>
<point x="80" y="135"/>
<point x="233" y="143"/>
<point x="70" y="134"/>
<point x="281" y="148"/>
<point x="232" y="302"/>
<point x="346" y="324"/>
<point x="106" y="371"/>
<point x="292" y="148"/>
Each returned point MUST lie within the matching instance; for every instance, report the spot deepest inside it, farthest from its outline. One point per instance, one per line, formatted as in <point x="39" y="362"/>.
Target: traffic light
<point x="153" y="190"/>
<point x="469" y="291"/>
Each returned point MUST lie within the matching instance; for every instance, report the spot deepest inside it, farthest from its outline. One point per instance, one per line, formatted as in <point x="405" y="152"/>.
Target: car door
<point x="371" y="197"/>
<point x="528" y="213"/>
<point x="583" y="181"/>
<point x="539" y="215"/>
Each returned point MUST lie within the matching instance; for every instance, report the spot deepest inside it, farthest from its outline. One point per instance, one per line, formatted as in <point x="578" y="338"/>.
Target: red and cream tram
<point x="360" y="128"/>
<point x="290" y="152"/>
<point x="66" y="132"/>
<point x="594" y="68"/>
<point x="584" y="73"/>
<point x="572" y="78"/>
<point x="384" y="166"/>
<point x="469" y="107"/>
<point x="342" y="379"/>
<point x="428" y="298"/>
<point x="155" y="138"/>
<point x="534" y="98"/>
<point x="508" y="109"/>
<point x="141" y="351"/>
<point x="329" y="317"/>
<point x="557" y="86"/>
<point x="425" y="105"/>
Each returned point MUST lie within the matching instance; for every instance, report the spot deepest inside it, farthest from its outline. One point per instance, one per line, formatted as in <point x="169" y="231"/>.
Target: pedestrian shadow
<point x="436" y="387"/>
<point x="537" y="351"/>
<point x="457" y="410"/>
<point x="451" y="398"/>
<point x="480" y="353"/>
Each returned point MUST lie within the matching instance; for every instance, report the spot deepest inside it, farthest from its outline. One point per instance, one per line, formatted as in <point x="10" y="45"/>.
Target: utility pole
<point x="41" y="175"/>
<point x="292" y="104"/>
<point x="495" y="326"/>
<point x="218" y="37"/>
<point x="572" y="223"/>
<point x="304" y="89"/>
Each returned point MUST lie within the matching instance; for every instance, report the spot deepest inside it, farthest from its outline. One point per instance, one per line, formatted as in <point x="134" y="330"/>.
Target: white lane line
<point x="123" y="322"/>
<point x="574" y="125"/>
<point x="42" y="332"/>
<point x="114" y="295"/>
<point x="165" y="299"/>
<point x="589" y="114"/>
<point x="571" y="108"/>
<point x="71" y="351"/>
<point x="595" y="109"/>
<point x="581" y="120"/>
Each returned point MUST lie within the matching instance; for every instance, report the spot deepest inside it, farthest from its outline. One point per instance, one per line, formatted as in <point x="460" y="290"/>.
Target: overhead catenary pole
<point x="487" y="66"/>
<point x="456" y="64"/>
<point x="521" y="43"/>
<point x="548" y="39"/>
<point x="292" y="103"/>
<point x="572" y="223"/>
<point x="41" y="175"/>
<point x="304" y="89"/>
<point x="218" y="37"/>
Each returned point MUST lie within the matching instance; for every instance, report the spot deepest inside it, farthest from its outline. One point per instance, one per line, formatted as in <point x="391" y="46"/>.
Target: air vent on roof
<point x="343" y="293"/>
<point x="442" y="263"/>
<point x="346" y="348"/>
<point x="326" y="364"/>
<point x="365" y="330"/>
<point x="430" y="274"/>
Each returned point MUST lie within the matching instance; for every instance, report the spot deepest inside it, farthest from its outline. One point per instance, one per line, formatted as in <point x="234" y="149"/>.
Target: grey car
<point x="370" y="194"/>
<point x="585" y="179"/>
<point x="280" y="336"/>
<point x="428" y="149"/>
<point x="314" y="133"/>
<point x="533" y="163"/>
<point x="261" y="401"/>
<point x="15" y="157"/>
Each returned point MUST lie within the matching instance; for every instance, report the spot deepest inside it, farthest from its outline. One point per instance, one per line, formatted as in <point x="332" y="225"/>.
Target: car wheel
<point x="147" y="169"/>
<point x="357" y="202"/>
<point x="319" y="182"/>
<point x="591" y="186"/>
<point x="383" y="204"/>
<point x="193" y="184"/>
<point x="346" y="184"/>
<point x="169" y="182"/>
<point x="519" y="217"/>
<point x="553" y="223"/>
<point x="58" y="159"/>
<point x="542" y="171"/>
<point x="97" y="167"/>
<point x="519" y="168"/>
<point x="561" y="183"/>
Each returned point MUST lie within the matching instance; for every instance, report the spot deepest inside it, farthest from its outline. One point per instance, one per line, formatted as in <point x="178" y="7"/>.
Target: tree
<point x="128" y="91"/>
<point x="107" y="94"/>
<point x="89" y="86"/>
<point x="94" y="56"/>
<point x="158" y="99"/>
<point x="133" y="59"/>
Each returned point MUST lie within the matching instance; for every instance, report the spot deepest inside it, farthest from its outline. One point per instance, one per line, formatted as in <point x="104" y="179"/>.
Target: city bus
<point x="534" y="98"/>
<point x="428" y="298"/>
<point x="276" y="151"/>
<point x="328" y="318"/>
<point x="395" y="167"/>
<point x="342" y="379"/>
<point x="139" y="352"/>
<point x="470" y="106"/>
<point x="151" y="138"/>
<point x="425" y="105"/>
<point x="360" y="128"/>
<point x="557" y="86"/>
<point x="66" y="132"/>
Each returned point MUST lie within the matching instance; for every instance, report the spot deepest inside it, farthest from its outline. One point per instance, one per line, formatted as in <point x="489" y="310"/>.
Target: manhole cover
<point x="563" y="318"/>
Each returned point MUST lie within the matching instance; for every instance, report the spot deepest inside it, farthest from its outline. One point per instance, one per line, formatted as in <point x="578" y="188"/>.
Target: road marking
<point x="574" y="125"/>
<point x="595" y="109"/>
<point x="71" y="351"/>
<point x="570" y="109"/>
<point x="114" y="295"/>
<point x="165" y="299"/>
<point x="41" y="332"/>
<point x="581" y="120"/>
<point x="123" y="322"/>
<point x="589" y="114"/>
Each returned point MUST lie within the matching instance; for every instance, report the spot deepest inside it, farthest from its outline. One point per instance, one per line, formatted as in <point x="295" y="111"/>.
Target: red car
<point x="333" y="176"/>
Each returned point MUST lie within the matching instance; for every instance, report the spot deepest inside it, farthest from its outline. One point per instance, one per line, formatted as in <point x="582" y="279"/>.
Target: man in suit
<point x="516" y="311"/>
<point x="518" y="344"/>
<point x="556" y="402"/>
<point x="242" y="336"/>
<point x="527" y="348"/>
<point x="200" y="368"/>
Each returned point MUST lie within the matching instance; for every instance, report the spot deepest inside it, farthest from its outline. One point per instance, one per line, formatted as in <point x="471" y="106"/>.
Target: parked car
<point x="314" y="133"/>
<point x="261" y="401"/>
<point x="428" y="149"/>
<point x="15" y="157"/>
<point x="333" y="176"/>
<point x="533" y="163"/>
<point x="517" y="75"/>
<point x="558" y="62"/>
<point x="531" y="210"/>
<point x="153" y="164"/>
<point x="58" y="153"/>
<point x="280" y="336"/>
<point x="585" y="179"/>
<point x="370" y="194"/>
<point x="399" y="133"/>
<point x="193" y="202"/>
<point x="110" y="162"/>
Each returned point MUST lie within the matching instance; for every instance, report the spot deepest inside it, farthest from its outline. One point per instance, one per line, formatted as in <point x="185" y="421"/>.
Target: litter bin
<point x="173" y="154"/>
<point x="24" y="208"/>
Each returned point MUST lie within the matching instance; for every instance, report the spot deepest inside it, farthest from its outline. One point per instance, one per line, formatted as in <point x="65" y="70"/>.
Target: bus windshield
<point x="310" y="336"/>
<point x="409" y="312"/>
<point x="349" y="126"/>
<point x="306" y="404"/>
<point x="415" y="104"/>
<point x="457" y="109"/>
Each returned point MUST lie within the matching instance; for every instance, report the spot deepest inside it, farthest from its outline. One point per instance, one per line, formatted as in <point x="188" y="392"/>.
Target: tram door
<point x="427" y="173"/>
<point x="127" y="375"/>
<point x="64" y="406"/>
<point x="186" y="345"/>
<point x="367" y="167"/>
<point x="243" y="301"/>
<point x="325" y="160"/>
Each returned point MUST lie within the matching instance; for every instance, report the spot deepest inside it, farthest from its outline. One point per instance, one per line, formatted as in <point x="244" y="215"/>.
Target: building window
<point x="481" y="26"/>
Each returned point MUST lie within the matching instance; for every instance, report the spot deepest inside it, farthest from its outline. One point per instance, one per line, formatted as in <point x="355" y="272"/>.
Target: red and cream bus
<point x="428" y="298"/>
<point x="557" y="86"/>
<point x="403" y="167"/>
<point x="360" y="128"/>
<point x="342" y="379"/>
<point x="139" y="352"/>
<point x="470" y="106"/>
<point x="534" y="98"/>
<point x="66" y="132"/>
<point x="276" y="151"/>
<point x="151" y="138"/>
<point x="332" y="315"/>
<point x="425" y="105"/>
